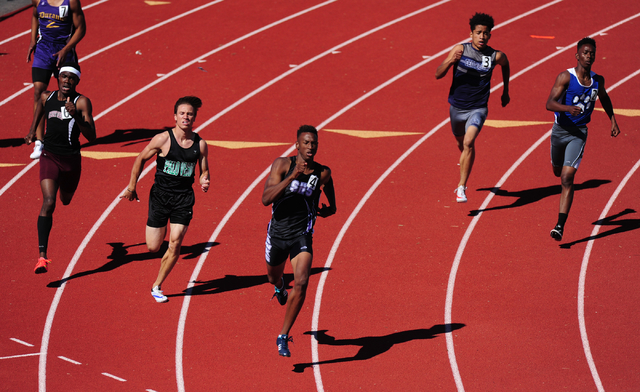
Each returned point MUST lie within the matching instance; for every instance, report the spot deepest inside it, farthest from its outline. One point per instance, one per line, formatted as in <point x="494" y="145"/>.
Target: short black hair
<point x="481" y="19"/>
<point x="195" y="102"/>
<point x="586" y="41"/>
<point x="307" y="128"/>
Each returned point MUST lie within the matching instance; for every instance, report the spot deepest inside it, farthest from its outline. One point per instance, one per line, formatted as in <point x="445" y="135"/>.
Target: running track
<point x="397" y="262"/>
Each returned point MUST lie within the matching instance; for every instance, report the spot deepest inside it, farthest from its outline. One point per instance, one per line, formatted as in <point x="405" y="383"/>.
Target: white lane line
<point x="20" y="356"/>
<point x="117" y="43"/>
<point x="84" y="8"/>
<point x="69" y="360"/>
<point x="187" y="299"/>
<point x="27" y="168"/>
<point x="318" y="298"/>
<point x="585" y="264"/>
<point x="114" y="377"/>
<point x="463" y="243"/>
<point x="42" y="368"/>
<point x="21" y="342"/>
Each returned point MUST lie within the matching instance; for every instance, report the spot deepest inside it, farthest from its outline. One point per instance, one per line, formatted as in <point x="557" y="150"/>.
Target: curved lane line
<point x="25" y="33"/>
<point x="42" y="367"/>
<point x="187" y="299"/>
<point x="585" y="263"/>
<point x="21" y="173"/>
<point x="463" y="243"/>
<point x="117" y="43"/>
<point x="29" y="31"/>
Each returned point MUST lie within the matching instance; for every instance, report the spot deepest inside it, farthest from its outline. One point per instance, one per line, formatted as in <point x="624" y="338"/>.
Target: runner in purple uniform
<point x="56" y="28"/>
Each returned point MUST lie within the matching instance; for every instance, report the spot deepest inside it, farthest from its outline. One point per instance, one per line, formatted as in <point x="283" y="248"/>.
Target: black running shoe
<point x="556" y="233"/>
<point x="281" y="294"/>
<point x="283" y="345"/>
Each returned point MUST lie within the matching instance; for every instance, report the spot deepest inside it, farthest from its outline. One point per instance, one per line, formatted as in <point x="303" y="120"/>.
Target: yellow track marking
<point x="371" y="134"/>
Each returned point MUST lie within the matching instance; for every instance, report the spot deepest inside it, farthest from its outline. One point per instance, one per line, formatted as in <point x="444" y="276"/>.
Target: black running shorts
<point x="277" y="250"/>
<point x="170" y="206"/>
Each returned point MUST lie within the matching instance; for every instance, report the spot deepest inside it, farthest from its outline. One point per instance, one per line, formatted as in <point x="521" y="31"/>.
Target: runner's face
<point x="307" y="146"/>
<point x="480" y="37"/>
<point x="185" y="116"/>
<point x="67" y="82"/>
<point x="586" y="56"/>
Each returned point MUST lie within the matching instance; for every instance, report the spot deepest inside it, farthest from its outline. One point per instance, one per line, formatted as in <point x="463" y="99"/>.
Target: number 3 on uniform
<point x="486" y="61"/>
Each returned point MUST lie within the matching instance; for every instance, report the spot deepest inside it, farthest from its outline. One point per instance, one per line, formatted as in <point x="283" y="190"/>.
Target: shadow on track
<point x="120" y="256"/>
<point x="127" y="136"/>
<point x="13" y="142"/>
<point x="235" y="282"/>
<point x="373" y="345"/>
<point x="529" y="196"/>
<point x="623" y="226"/>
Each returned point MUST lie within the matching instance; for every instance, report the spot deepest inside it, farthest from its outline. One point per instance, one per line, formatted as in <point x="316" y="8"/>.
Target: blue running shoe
<point x="283" y="345"/>
<point x="281" y="294"/>
<point x="158" y="296"/>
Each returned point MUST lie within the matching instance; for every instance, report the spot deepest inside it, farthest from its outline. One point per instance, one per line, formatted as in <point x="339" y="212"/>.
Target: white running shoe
<point x="158" y="296"/>
<point x="37" y="150"/>
<point x="461" y="197"/>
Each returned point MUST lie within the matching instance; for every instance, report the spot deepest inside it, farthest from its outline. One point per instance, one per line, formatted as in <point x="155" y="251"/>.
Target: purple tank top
<point x="55" y="23"/>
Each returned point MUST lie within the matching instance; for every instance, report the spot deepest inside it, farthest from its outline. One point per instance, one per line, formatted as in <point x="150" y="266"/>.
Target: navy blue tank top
<point x="471" y="82"/>
<point x="294" y="213"/>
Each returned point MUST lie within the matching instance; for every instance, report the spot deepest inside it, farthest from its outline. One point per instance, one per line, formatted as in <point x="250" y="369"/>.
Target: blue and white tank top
<point x="578" y="95"/>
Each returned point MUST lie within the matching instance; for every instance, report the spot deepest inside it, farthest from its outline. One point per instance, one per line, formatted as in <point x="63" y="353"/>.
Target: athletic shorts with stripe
<point x="277" y="250"/>
<point x="567" y="145"/>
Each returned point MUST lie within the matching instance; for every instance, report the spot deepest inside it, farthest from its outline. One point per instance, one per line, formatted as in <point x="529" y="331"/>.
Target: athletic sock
<point x="562" y="219"/>
<point x="44" y="228"/>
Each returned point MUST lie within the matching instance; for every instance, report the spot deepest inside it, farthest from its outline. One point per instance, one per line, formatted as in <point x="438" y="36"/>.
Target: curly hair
<point x="586" y="41"/>
<point x="481" y="19"/>
<point x="195" y="102"/>
<point x="307" y="128"/>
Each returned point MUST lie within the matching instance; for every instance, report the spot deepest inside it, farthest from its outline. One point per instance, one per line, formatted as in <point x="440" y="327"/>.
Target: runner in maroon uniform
<point x="68" y="114"/>
<point x="294" y="187"/>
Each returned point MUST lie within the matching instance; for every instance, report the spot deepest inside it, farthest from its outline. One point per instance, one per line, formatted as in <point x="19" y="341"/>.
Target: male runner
<point x="67" y="114"/>
<point x="469" y="93"/>
<point x="572" y="98"/>
<point x="56" y="28"/>
<point x="171" y="198"/>
<point x="293" y="187"/>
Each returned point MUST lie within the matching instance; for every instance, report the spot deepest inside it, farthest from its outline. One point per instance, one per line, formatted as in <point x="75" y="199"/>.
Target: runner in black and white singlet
<point x="470" y="88"/>
<point x="171" y="198"/>
<point x="67" y="115"/>
<point x="56" y="28"/>
<point x="293" y="187"/>
<point x="572" y="98"/>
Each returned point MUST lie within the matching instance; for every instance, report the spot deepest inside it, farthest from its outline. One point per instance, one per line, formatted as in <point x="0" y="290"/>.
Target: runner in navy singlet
<point x="56" y="28"/>
<point x="470" y="87"/>
<point x="67" y="114"/>
<point x="572" y="98"/>
<point x="171" y="198"/>
<point x="293" y="188"/>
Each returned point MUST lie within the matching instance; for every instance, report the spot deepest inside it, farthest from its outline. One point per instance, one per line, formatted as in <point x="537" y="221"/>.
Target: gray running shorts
<point x="463" y="119"/>
<point x="567" y="145"/>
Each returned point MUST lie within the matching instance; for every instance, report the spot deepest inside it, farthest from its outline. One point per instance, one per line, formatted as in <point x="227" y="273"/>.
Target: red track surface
<point x="514" y="313"/>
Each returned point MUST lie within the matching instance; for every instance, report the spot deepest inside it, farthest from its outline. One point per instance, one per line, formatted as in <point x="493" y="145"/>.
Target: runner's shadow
<point x="235" y="282"/>
<point x="12" y="142"/>
<point x="529" y="196"/>
<point x="623" y="225"/>
<point x="120" y="256"/>
<point x="126" y="136"/>
<point x="372" y="346"/>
